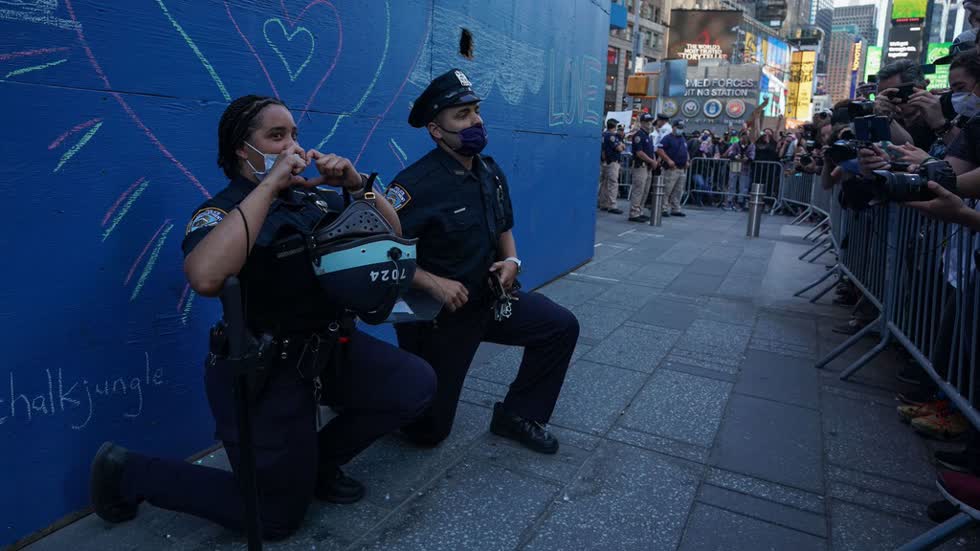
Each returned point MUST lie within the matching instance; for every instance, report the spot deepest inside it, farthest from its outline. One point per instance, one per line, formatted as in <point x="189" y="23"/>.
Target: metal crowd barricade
<point x="770" y="175"/>
<point x="921" y="275"/>
<point x="797" y="189"/>
<point x="723" y="181"/>
<point x="625" y="173"/>
<point x="707" y="179"/>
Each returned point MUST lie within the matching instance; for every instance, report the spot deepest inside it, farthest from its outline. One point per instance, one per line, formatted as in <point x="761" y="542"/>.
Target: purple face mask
<point x="472" y="140"/>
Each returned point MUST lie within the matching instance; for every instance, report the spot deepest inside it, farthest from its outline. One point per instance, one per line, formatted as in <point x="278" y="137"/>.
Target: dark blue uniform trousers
<point x="383" y="389"/>
<point x="547" y="331"/>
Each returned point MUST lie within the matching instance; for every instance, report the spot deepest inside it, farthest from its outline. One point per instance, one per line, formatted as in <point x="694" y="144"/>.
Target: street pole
<point x="637" y="42"/>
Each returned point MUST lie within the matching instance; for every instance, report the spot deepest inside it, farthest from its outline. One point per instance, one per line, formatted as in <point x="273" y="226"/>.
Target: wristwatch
<point x="516" y="261"/>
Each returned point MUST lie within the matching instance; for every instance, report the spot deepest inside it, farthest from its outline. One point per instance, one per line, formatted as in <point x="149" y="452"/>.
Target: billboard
<point x="873" y="62"/>
<point x="909" y="10"/>
<point x="939" y="79"/>
<point x="718" y="98"/>
<point x="904" y="42"/>
<point x="800" y="85"/>
<point x="702" y="34"/>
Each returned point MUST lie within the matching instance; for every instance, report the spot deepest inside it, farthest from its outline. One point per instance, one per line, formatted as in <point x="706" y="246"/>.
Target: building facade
<point x="864" y="17"/>
<point x="845" y="63"/>
<point x="620" y="55"/>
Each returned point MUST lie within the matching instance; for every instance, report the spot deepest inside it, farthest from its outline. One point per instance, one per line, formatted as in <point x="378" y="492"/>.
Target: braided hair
<point x="236" y="125"/>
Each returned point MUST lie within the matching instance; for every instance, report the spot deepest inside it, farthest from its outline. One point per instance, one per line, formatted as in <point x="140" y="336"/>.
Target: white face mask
<point x="678" y="131"/>
<point x="966" y="104"/>
<point x="270" y="161"/>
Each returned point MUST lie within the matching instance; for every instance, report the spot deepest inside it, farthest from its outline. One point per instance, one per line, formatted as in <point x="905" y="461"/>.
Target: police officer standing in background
<point x="644" y="163"/>
<point x="457" y="203"/>
<point x="672" y="150"/>
<point x="612" y="146"/>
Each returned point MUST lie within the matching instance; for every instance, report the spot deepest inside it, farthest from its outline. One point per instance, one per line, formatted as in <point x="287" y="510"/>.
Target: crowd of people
<point x="656" y="147"/>
<point x="897" y="123"/>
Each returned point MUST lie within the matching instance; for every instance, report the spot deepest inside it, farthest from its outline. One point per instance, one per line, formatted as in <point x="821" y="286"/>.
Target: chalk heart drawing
<point x="295" y="45"/>
<point x="279" y="33"/>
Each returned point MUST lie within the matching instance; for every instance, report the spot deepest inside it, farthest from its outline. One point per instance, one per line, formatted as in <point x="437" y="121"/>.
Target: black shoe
<point x="614" y="210"/>
<point x="334" y="486"/>
<point x="529" y="433"/>
<point x="603" y="209"/>
<point x="665" y="214"/>
<point x="941" y="511"/>
<point x="954" y="461"/>
<point x="105" y="485"/>
<point x="640" y="218"/>
<point x="678" y="213"/>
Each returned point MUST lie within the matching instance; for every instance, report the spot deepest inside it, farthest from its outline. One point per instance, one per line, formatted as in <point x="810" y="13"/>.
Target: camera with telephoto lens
<point x="902" y="186"/>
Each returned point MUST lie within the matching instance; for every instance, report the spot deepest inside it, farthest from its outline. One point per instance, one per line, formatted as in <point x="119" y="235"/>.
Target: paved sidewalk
<point x="692" y="418"/>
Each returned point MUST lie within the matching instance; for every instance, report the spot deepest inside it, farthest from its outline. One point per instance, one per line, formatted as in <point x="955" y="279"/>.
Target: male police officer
<point x="457" y="203"/>
<point x="612" y="146"/>
<point x="644" y="163"/>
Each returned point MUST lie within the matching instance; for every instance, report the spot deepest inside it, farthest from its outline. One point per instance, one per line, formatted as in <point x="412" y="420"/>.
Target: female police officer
<point x="381" y="389"/>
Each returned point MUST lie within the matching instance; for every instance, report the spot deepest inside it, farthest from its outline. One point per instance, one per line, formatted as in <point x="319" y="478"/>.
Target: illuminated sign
<point x="873" y="63"/>
<point x="939" y="79"/>
<point x="800" y="85"/>
<point x="702" y="34"/>
<point x="909" y="10"/>
<point x="857" y="57"/>
<point x="904" y="42"/>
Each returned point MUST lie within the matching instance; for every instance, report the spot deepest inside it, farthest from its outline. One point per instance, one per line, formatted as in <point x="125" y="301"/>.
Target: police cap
<point x="449" y="89"/>
<point x="646" y="117"/>
<point x="662" y="117"/>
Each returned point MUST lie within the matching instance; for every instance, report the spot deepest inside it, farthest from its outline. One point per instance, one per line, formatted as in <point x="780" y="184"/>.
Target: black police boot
<point x="529" y="433"/>
<point x="334" y="486"/>
<point x="105" y="485"/>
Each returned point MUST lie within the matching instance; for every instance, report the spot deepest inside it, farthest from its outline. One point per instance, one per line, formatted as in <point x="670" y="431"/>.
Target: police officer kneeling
<point x="273" y="228"/>
<point x="457" y="203"/>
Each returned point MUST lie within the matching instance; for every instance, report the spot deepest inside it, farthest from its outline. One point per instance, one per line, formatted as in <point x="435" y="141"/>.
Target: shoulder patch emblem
<point x="637" y="139"/>
<point x="397" y="196"/>
<point x="209" y="216"/>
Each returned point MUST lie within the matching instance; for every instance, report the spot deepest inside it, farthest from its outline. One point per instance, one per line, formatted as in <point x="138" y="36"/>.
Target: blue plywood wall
<point x="110" y="110"/>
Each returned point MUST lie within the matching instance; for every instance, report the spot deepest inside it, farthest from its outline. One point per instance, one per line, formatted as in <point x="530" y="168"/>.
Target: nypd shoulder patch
<point x="397" y="195"/>
<point x="208" y="216"/>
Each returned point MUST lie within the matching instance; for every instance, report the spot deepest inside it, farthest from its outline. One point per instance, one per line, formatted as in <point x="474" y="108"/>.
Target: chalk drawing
<point x="400" y="150"/>
<point x="570" y="100"/>
<point x="292" y="21"/>
<point x="23" y="70"/>
<point x="289" y="38"/>
<point x="397" y="156"/>
<point x="120" y="199"/>
<point x="183" y="296"/>
<point x="370" y="88"/>
<point x="77" y="128"/>
<point x="251" y="49"/>
<point x="59" y="395"/>
<point x="513" y="67"/>
<point x="418" y="56"/>
<point x="336" y="55"/>
<point x="122" y="212"/>
<point x="77" y="147"/>
<point x="145" y="248"/>
<point x="129" y="110"/>
<point x="150" y="263"/>
<point x="187" y="308"/>
<point x="207" y="65"/>
<point x="36" y="11"/>
<point x="30" y="53"/>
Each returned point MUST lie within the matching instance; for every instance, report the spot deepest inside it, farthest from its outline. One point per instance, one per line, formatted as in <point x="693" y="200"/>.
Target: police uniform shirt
<point x="457" y="215"/>
<point x="281" y="292"/>
<point x="610" y="141"/>
<point x="643" y="142"/>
